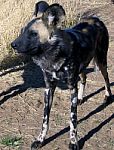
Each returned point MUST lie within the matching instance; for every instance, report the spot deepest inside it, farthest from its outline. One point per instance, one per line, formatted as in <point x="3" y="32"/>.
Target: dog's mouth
<point x="32" y="51"/>
<point x="35" y="51"/>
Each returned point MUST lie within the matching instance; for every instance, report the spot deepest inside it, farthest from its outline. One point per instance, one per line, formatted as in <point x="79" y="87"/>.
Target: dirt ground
<point x="21" y="105"/>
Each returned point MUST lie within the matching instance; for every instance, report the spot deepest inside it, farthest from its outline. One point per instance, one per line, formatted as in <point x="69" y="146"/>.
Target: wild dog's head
<point x="37" y="34"/>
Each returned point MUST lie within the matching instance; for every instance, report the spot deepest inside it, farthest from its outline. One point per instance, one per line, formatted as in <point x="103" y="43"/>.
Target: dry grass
<point x="15" y="13"/>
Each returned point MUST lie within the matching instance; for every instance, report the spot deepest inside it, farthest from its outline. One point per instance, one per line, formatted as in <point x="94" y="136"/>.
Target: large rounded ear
<point x="40" y="8"/>
<point x="54" y="15"/>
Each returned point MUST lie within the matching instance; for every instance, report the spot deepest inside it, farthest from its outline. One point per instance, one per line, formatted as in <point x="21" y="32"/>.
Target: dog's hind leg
<point x="104" y="72"/>
<point x="48" y="99"/>
<point x="101" y="59"/>
<point x="82" y="87"/>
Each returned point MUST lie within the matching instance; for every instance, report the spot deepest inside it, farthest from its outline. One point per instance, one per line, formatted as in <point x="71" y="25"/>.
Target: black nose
<point x="14" y="45"/>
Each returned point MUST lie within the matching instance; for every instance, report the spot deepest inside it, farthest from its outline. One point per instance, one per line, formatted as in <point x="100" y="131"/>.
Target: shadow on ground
<point x="33" y="78"/>
<point x="91" y="132"/>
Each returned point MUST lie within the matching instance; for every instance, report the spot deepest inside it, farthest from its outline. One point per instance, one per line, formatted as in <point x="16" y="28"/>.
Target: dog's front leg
<point x="73" y="120"/>
<point x="48" y="98"/>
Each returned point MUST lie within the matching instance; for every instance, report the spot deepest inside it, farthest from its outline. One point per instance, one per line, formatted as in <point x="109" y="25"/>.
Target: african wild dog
<point x="63" y="54"/>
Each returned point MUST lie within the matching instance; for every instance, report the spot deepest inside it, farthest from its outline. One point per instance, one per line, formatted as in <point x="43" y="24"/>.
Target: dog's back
<point x="89" y="36"/>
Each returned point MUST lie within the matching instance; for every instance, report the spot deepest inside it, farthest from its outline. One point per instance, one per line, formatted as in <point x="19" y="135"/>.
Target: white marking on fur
<point x="71" y="128"/>
<point x="73" y="91"/>
<point x="45" y="125"/>
<point x="106" y="92"/>
<point x="66" y="68"/>
<point x="47" y="91"/>
<point x="54" y="66"/>
<point x="52" y="39"/>
<point x="73" y="136"/>
<point x="34" y="60"/>
<point x="71" y="115"/>
<point x="42" y="135"/>
<point x="54" y="75"/>
<point x="50" y="19"/>
<point x="45" y="117"/>
<point x="81" y="91"/>
<point x="74" y="101"/>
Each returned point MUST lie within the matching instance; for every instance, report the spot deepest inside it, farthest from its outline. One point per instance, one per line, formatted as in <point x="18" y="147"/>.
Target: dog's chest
<point x="63" y="75"/>
<point x="60" y="70"/>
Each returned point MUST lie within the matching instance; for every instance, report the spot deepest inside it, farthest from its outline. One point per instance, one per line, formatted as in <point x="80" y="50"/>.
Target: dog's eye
<point x="33" y="34"/>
